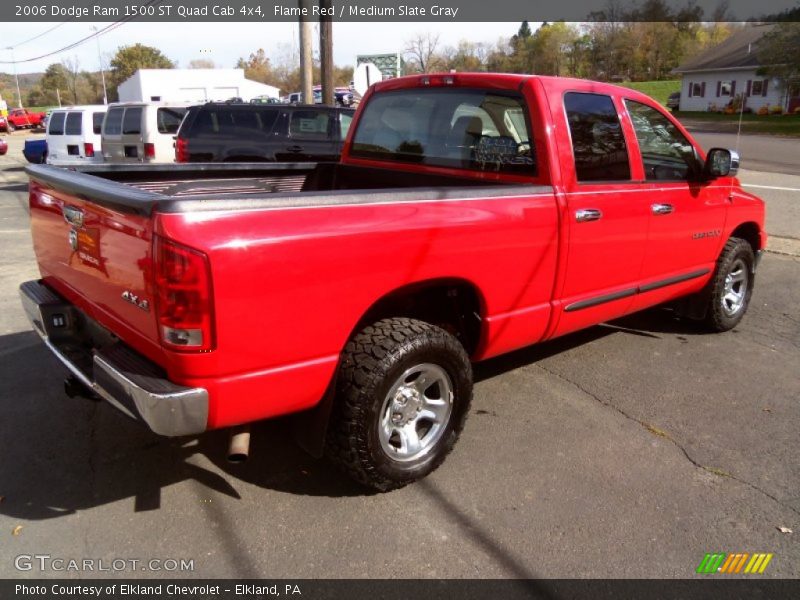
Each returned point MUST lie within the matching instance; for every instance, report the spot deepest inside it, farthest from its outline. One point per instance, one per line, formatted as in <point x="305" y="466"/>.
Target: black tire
<point x="736" y="257"/>
<point x="373" y="364"/>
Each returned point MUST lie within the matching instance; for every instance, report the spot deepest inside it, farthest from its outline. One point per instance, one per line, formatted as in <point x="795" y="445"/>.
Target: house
<point x="191" y="85"/>
<point x="717" y="76"/>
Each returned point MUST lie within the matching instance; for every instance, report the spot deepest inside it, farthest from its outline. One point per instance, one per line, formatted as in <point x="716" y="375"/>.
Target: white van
<point x="136" y="132"/>
<point x="73" y="135"/>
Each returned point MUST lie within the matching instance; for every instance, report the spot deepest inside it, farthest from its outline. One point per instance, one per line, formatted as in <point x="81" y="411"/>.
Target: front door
<point x="687" y="215"/>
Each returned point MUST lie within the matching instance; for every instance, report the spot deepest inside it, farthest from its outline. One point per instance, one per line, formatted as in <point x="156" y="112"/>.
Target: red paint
<point x="290" y="285"/>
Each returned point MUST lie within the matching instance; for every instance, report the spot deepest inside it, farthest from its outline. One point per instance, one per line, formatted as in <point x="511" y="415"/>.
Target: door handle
<point x="662" y="209"/>
<point x="588" y="214"/>
<point x="294" y="149"/>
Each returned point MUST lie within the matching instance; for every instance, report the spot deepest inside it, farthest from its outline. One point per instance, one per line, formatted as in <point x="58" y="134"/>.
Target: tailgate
<point x="97" y="255"/>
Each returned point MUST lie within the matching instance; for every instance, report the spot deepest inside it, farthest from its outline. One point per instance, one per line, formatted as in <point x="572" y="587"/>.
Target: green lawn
<point x="658" y="90"/>
<point x="751" y="123"/>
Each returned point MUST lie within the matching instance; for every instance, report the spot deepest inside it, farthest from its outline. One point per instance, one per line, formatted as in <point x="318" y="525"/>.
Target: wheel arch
<point x="454" y="304"/>
<point x="750" y="232"/>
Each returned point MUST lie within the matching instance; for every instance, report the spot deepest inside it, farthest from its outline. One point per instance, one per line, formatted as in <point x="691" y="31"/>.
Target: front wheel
<point x="731" y="286"/>
<point x="403" y="393"/>
<point x="10" y="127"/>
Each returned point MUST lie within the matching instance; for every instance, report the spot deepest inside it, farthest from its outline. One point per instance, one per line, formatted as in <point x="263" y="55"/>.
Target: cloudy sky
<point x="224" y="43"/>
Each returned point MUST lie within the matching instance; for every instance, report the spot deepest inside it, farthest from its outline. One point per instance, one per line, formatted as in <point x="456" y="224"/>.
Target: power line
<point x="105" y="29"/>
<point x="36" y="37"/>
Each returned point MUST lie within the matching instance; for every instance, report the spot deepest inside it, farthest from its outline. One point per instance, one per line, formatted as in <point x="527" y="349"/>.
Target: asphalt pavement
<point x="630" y="449"/>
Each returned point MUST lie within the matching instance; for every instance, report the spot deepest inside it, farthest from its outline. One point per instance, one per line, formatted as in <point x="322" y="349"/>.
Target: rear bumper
<point x="116" y="373"/>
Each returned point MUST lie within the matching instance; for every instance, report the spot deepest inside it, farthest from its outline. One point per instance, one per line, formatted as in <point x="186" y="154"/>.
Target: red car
<point x="470" y="215"/>
<point x="3" y="123"/>
<point x="22" y="118"/>
<point x="3" y="147"/>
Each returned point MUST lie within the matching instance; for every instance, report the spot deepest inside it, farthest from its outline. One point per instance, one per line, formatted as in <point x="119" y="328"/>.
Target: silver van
<point x="137" y="132"/>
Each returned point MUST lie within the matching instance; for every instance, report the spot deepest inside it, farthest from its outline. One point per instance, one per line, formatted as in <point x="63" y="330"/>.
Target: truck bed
<point x="211" y="186"/>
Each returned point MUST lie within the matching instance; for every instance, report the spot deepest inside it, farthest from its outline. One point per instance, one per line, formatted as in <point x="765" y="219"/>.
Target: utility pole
<point x="16" y="76"/>
<point x="326" y="52"/>
<point x="306" y="60"/>
<point x="102" y="72"/>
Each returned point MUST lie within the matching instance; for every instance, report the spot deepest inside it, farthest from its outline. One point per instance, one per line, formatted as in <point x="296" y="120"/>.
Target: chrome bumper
<point x="112" y="370"/>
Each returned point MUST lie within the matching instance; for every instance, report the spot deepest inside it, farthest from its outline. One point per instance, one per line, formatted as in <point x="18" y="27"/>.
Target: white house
<point x="715" y="77"/>
<point x="191" y="85"/>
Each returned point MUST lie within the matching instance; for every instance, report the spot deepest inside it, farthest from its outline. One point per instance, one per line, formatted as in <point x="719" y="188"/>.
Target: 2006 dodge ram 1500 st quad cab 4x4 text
<point x="470" y="215"/>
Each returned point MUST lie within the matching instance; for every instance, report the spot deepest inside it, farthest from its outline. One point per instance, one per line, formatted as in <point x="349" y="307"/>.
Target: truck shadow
<point x="63" y="455"/>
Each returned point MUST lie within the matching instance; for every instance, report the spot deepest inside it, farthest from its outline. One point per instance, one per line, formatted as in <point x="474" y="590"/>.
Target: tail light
<point x="88" y="150"/>
<point x="149" y="150"/>
<point x="181" y="150"/>
<point x="184" y="300"/>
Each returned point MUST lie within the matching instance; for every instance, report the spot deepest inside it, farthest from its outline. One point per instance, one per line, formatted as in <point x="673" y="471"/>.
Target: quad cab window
<point x="458" y="128"/>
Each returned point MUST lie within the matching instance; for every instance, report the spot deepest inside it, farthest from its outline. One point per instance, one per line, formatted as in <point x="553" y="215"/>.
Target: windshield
<point x="459" y="128"/>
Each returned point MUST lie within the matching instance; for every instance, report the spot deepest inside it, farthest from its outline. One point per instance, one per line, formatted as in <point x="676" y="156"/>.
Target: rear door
<point x="112" y="135"/>
<point x="132" y="140"/>
<point x="56" y="146"/>
<point x="73" y="135"/>
<point x="608" y="213"/>
<point x="687" y="215"/>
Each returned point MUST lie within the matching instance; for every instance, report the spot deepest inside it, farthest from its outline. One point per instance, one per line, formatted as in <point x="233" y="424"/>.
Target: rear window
<point x="598" y="144"/>
<point x="97" y="122"/>
<point x="56" y="123"/>
<point x="310" y="124"/>
<point x="74" y="123"/>
<point x="132" y="121"/>
<point x="169" y="119"/>
<point x="112" y="125"/>
<point x="234" y="121"/>
<point x="478" y="130"/>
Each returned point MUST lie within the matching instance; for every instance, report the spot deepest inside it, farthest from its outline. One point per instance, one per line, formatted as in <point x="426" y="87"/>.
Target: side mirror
<point x="721" y="162"/>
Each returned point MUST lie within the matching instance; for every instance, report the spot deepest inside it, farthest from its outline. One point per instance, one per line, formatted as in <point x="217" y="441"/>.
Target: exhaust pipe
<point x="239" y="445"/>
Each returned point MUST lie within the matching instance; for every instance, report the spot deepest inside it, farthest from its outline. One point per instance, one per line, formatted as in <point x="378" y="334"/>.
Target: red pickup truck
<point x="470" y="215"/>
<point x="22" y="118"/>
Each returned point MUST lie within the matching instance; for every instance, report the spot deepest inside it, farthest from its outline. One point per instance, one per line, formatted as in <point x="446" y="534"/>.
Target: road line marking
<point x="771" y="187"/>
<point x="15" y="230"/>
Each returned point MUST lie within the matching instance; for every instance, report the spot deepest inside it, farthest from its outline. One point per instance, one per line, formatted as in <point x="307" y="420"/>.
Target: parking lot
<point x="628" y="450"/>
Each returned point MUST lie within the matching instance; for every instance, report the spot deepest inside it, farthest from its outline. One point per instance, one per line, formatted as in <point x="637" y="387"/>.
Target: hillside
<point x="8" y="88"/>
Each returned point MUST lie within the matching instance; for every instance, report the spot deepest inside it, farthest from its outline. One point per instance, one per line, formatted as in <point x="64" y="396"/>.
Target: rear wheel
<point x="731" y="286"/>
<point x="403" y="393"/>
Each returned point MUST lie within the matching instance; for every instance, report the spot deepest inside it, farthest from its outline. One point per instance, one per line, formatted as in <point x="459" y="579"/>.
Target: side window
<point x="666" y="153"/>
<point x="132" y="121"/>
<point x="97" y="122"/>
<point x="112" y="125"/>
<point x="55" y="125"/>
<point x="309" y="124"/>
<point x="344" y="123"/>
<point x="169" y="119"/>
<point x="598" y="143"/>
<point x="74" y="121"/>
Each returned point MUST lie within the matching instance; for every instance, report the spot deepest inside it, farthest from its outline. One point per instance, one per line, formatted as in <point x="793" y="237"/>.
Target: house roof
<point x="738" y="51"/>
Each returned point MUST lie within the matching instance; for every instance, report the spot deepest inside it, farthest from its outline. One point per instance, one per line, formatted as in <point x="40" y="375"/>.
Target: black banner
<point x="389" y="10"/>
<point x="434" y="589"/>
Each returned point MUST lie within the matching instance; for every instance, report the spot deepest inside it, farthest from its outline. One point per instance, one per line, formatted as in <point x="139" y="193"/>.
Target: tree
<point x="779" y="52"/>
<point x="72" y="70"/>
<point x="202" y="63"/>
<point x="129" y="59"/>
<point x="257" y="67"/>
<point x="421" y="52"/>
<point x="55" y="78"/>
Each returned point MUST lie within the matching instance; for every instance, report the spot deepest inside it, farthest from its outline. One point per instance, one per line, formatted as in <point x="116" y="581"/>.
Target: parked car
<point x="35" y="151"/>
<point x="470" y="215"/>
<point x="265" y="100"/>
<point x="343" y="97"/>
<point x="135" y="132"/>
<point x="218" y="132"/>
<point x="73" y="135"/>
<point x="674" y="101"/>
<point x="22" y="118"/>
<point x="3" y="123"/>
<point x="297" y="97"/>
<point x="3" y="147"/>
